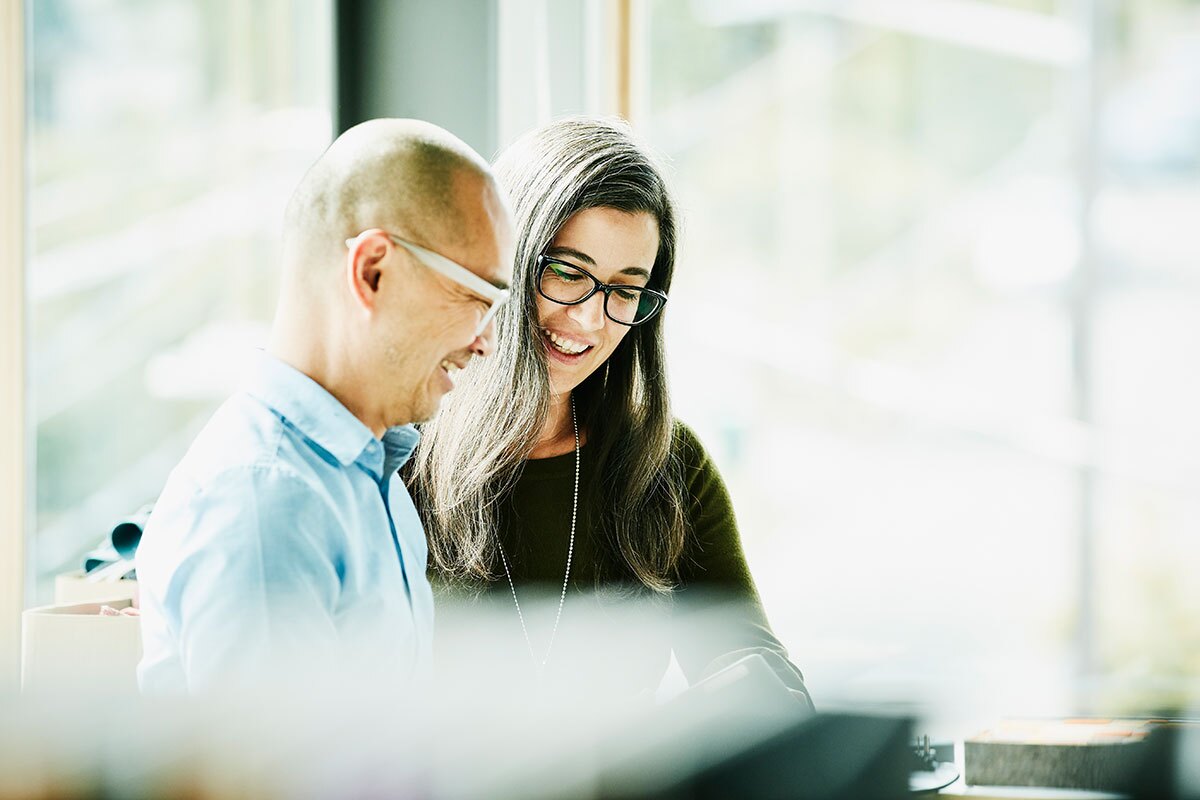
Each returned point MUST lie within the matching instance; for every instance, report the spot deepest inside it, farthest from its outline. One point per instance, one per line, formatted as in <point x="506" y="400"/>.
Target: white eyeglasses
<point x="455" y="272"/>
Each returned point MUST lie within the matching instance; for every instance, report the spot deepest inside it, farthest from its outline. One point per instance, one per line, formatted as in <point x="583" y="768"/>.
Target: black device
<point x="743" y="733"/>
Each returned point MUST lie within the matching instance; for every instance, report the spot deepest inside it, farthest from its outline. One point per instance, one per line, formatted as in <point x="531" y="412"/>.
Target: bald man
<point x="284" y="548"/>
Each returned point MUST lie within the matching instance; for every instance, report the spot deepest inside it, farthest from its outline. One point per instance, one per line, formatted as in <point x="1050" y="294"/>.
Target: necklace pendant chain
<point x="562" y="598"/>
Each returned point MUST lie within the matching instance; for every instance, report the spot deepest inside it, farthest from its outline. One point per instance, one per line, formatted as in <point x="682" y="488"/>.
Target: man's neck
<point x="332" y="374"/>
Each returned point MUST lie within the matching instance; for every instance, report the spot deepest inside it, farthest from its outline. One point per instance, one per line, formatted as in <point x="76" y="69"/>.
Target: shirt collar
<point x="398" y="445"/>
<point x="322" y="419"/>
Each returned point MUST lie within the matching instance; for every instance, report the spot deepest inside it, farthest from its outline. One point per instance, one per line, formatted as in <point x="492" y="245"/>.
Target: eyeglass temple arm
<point x="456" y="272"/>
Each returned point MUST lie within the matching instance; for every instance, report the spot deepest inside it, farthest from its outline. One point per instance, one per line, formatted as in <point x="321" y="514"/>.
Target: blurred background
<point x="936" y="316"/>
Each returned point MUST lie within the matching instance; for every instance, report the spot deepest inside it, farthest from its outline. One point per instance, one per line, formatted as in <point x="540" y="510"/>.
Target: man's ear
<point x="364" y="268"/>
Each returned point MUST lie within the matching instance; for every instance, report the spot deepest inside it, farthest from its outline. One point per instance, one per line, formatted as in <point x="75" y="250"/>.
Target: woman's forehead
<point x="609" y="240"/>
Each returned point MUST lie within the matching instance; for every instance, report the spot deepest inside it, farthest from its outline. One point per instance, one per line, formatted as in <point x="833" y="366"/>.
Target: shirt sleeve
<point x="255" y="585"/>
<point x="718" y="615"/>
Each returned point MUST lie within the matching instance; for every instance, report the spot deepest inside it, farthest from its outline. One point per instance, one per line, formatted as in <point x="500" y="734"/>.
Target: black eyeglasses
<point x="570" y="285"/>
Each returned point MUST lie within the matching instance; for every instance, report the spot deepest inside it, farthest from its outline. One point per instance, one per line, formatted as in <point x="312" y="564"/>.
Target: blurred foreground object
<point x="318" y="747"/>
<point x="486" y="726"/>
<point x="1100" y="754"/>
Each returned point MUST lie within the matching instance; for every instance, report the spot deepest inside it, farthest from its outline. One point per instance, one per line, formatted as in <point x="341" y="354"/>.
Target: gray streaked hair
<point x="471" y="455"/>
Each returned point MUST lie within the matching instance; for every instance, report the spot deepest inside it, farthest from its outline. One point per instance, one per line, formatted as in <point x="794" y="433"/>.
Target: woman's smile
<point x="565" y="348"/>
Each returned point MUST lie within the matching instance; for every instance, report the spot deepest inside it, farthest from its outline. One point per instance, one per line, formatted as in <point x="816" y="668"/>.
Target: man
<point x="284" y="547"/>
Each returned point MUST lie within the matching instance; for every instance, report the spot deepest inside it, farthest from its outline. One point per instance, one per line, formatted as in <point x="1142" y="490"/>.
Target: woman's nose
<point x="589" y="314"/>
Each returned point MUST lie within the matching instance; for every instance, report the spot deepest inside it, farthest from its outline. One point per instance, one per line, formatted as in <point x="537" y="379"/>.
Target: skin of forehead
<point x="410" y="177"/>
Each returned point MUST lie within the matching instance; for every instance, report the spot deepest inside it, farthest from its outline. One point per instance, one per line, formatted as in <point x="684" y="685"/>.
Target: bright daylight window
<point x="943" y="259"/>
<point x="165" y="137"/>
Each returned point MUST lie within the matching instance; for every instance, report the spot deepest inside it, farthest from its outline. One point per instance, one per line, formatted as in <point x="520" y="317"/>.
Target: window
<point x="960" y="433"/>
<point x="164" y="138"/>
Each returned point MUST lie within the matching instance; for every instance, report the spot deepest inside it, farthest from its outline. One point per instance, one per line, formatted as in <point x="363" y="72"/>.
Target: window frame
<point x="13" y="433"/>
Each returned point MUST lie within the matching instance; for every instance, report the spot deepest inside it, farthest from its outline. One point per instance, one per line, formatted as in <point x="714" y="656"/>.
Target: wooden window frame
<point x="13" y="433"/>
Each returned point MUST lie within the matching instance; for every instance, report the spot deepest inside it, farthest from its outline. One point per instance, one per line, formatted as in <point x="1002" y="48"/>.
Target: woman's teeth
<point x="565" y="345"/>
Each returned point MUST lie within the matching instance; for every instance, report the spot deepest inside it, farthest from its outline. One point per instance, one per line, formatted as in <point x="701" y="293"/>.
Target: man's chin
<point x="428" y="411"/>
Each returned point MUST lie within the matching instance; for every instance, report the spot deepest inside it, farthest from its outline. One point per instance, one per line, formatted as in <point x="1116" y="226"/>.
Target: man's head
<point x="362" y="309"/>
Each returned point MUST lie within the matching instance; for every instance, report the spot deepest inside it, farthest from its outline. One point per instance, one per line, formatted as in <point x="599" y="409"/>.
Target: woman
<point x="556" y="462"/>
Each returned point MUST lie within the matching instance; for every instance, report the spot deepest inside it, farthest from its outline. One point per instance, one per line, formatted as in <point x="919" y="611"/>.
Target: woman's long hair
<point x="471" y="455"/>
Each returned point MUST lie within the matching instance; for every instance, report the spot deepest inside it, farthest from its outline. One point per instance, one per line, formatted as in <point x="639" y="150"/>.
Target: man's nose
<point x="589" y="314"/>
<point x="485" y="340"/>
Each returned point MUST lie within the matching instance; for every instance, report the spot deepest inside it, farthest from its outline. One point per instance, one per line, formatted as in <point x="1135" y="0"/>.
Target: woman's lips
<point x="560" y="355"/>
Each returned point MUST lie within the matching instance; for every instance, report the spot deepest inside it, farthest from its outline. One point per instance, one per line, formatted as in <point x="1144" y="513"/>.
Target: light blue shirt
<point x="284" y="541"/>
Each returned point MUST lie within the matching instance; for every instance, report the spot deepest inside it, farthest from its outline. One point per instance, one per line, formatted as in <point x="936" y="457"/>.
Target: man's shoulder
<point x="244" y="435"/>
<point x="247" y="453"/>
<point x="246" y="464"/>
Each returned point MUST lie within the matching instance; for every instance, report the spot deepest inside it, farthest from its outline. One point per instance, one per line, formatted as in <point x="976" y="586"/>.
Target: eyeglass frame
<point x="455" y="272"/>
<point x="543" y="260"/>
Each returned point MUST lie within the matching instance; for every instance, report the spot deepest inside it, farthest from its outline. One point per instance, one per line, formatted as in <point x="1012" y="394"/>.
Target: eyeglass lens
<point x="629" y="305"/>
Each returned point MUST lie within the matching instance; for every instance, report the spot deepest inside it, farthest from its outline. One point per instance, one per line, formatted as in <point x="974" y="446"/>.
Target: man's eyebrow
<point x="499" y="284"/>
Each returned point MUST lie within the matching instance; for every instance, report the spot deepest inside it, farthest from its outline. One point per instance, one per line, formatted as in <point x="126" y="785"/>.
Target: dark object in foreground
<point x="742" y="733"/>
<point x="828" y="757"/>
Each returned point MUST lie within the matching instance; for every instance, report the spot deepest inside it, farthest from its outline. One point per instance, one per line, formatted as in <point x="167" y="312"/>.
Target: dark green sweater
<point x="713" y="616"/>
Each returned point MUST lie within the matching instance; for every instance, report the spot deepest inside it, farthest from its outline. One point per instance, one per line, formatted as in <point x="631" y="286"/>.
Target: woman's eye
<point x="627" y="296"/>
<point x="564" y="275"/>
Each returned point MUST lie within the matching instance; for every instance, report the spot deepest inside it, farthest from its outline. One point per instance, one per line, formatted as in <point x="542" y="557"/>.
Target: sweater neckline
<point x="554" y="466"/>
